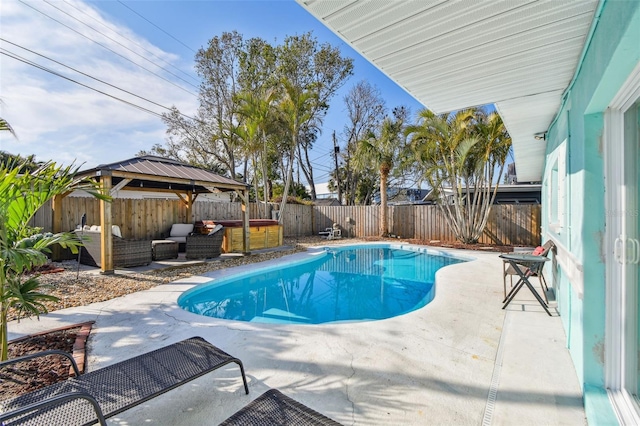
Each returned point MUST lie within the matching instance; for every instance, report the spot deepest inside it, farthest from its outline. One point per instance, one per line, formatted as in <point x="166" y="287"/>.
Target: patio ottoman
<point x="164" y="249"/>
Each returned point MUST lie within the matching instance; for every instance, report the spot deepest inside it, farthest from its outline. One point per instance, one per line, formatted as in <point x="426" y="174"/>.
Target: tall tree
<point x="296" y="109"/>
<point x="365" y="111"/>
<point x="310" y="74"/>
<point x="462" y="153"/>
<point x="210" y="138"/>
<point x="383" y="150"/>
<point x="256" y="107"/>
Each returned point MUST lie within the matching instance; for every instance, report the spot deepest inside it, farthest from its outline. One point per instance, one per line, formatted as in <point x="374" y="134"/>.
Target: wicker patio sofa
<point x="106" y="392"/>
<point x="126" y="253"/>
<point x="204" y="246"/>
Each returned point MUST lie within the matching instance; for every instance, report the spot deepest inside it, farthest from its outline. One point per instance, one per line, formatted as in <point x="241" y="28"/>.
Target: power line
<point x="323" y="169"/>
<point x="131" y="41"/>
<point x="328" y="154"/>
<point x="43" y="68"/>
<point x="107" y="48"/>
<point x="157" y="26"/>
<point x="89" y="76"/>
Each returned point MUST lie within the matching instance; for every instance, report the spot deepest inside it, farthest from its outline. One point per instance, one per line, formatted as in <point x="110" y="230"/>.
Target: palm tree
<point x="22" y="247"/>
<point x="382" y="151"/>
<point x="460" y="152"/>
<point x="257" y="113"/>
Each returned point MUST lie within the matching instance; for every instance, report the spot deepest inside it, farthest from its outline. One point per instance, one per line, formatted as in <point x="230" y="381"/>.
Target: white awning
<point x="519" y="55"/>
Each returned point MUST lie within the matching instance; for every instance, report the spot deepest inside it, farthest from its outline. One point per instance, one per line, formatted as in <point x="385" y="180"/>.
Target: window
<point x="555" y="185"/>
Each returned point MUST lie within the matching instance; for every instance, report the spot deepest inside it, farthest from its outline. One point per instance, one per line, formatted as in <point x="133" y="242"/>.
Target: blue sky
<point x="59" y="120"/>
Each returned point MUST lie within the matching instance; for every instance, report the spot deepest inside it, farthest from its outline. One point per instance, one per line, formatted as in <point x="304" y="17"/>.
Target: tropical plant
<point x="23" y="248"/>
<point x="462" y="154"/>
<point x="6" y="127"/>
<point x="382" y="151"/>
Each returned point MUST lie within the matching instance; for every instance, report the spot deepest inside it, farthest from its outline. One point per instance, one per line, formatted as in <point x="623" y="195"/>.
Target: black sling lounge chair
<point x="273" y="408"/>
<point x="92" y="397"/>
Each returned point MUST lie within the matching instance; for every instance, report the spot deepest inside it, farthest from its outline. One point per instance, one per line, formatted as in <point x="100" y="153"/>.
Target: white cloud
<point x="58" y="120"/>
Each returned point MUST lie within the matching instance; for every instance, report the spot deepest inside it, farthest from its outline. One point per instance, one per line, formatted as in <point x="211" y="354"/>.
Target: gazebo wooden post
<point x="106" y="219"/>
<point x="189" y="204"/>
<point x="56" y="223"/>
<point x="244" y="196"/>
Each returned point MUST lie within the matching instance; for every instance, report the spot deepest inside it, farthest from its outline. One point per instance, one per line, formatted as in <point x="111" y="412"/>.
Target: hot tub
<point x="263" y="233"/>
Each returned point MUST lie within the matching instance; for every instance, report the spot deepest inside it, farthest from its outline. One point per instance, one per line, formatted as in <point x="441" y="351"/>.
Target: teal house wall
<point x="574" y="213"/>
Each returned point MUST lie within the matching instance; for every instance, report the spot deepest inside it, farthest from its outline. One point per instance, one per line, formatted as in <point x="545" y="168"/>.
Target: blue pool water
<point x="351" y="283"/>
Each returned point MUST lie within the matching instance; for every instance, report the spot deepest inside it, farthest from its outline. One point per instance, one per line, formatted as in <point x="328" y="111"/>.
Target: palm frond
<point x="6" y="127"/>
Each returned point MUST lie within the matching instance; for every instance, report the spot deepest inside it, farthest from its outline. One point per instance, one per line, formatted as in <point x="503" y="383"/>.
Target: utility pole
<point x="336" y="150"/>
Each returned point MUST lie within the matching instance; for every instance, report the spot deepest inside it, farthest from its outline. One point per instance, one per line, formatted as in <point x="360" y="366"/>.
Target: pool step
<point x="283" y="316"/>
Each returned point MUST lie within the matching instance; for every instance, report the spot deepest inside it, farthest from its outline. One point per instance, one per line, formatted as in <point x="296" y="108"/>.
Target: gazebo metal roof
<point x="149" y="173"/>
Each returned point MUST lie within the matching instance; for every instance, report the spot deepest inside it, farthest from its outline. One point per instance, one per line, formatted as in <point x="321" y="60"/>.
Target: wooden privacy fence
<point x="509" y="224"/>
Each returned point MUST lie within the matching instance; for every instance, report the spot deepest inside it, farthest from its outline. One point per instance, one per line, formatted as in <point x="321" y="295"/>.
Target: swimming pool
<point x="346" y="283"/>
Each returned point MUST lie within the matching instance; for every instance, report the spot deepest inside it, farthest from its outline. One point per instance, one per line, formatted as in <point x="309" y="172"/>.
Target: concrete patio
<point x="459" y="360"/>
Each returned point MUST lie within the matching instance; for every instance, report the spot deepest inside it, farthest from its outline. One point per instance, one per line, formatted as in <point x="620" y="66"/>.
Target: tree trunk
<point x="287" y="184"/>
<point x="383" y="203"/>
<point x="265" y="177"/>
<point x="4" y="335"/>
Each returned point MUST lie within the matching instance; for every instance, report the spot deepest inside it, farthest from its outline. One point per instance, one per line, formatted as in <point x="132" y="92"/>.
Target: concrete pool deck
<point x="459" y="360"/>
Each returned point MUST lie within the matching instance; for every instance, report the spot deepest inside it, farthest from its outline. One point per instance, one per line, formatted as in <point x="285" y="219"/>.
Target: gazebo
<point x="153" y="174"/>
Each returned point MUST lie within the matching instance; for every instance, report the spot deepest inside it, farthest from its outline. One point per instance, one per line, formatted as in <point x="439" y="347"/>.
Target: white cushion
<point x="180" y="230"/>
<point x="95" y="228"/>
<point x="115" y="230"/>
<point x="177" y="239"/>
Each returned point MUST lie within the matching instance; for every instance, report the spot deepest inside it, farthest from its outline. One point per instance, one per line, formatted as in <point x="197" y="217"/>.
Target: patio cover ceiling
<point x="519" y="55"/>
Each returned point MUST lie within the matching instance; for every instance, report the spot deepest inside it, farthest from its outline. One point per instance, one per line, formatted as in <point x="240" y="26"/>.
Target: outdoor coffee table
<point x="164" y="249"/>
<point x="516" y="261"/>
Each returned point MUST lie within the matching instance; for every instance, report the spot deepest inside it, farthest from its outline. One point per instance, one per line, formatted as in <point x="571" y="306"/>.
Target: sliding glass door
<point x="622" y="174"/>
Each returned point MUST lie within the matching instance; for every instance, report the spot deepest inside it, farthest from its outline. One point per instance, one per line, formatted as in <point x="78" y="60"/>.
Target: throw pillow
<point x="538" y="251"/>
<point x="215" y="229"/>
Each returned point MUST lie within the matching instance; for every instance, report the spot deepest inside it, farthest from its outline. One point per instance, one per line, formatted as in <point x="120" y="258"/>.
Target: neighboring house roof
<point x="402" y="196"/>
<point x="160" y="173"/>
<point x="519" y="55"/>
<point x="327" y="202"/>
<point x="507" y="193"/>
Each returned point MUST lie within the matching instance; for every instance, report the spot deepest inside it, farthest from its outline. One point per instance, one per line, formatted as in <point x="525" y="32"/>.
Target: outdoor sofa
<point x="126" y="253"/>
